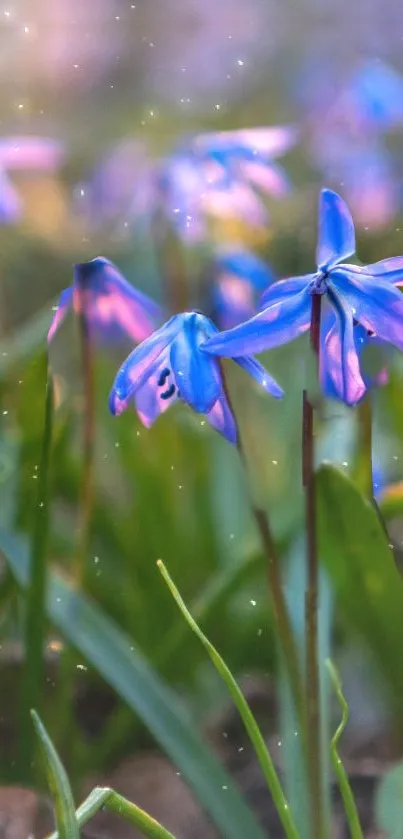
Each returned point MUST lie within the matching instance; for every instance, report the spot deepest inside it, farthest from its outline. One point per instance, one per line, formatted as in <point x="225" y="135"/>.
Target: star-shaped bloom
<point x="21" y="154"/>
<point x="218" y="174"/>
<point x="114" y="309"/>
<point x="170" y="365"/>
<point x="363" y="294"/>
<point x="240" y="276"/>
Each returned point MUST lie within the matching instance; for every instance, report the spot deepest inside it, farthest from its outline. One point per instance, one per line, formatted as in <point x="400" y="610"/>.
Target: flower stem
<point x="282" y="619"/>
<point x="311" y="595"/>
<point x="86" y="497"/>
<point x="364" y="465"/>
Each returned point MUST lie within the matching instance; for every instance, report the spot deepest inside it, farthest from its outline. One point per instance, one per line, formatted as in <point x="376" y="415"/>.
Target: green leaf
<point x="350" y="807"/>
<point x="63" y="802"/>
<point x="368" y="588"/>
<point x="104" y="798"/>
<point x="246" y="715"/>
<point x="389" y="803"/>
<point x="122" y="666"/>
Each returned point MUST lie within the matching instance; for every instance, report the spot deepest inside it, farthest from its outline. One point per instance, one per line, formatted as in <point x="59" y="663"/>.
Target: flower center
<point x="319" y="283"/>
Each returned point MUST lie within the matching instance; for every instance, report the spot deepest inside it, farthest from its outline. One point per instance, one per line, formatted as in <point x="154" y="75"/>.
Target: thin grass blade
<point x="63" y="802"/>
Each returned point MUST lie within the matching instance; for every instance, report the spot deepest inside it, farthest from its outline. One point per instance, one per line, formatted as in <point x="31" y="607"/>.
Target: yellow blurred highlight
<point x="45" y="209"/>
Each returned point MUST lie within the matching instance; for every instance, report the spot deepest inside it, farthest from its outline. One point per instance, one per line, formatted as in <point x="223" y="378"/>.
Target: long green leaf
<point x="389" y="803"/>
<point x="122" y="666"/>
<point x="32" y="687"/>
<point x="350" y="807"/>
<point x="369" y="589"/>
<point x="63" y="802"/>
<point x="247" y="717"/>
<point x="104" y="798"/>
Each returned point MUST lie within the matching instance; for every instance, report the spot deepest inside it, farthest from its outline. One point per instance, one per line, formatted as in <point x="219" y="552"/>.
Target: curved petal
<point x="197" y="375"/>
<point x="271" y="141"/>
<point x="340" y="359"/>
<point x="233" y="301"/>
<point x="386" y="269"/>
<point x="268" y="177"/>
<point x="114" y="308"/>
<point x="156" y="395"/>
<point x="336" y="231"/>
<point x="258" y="372"/>
<point x="376" y="304"/>
<point x="274" y="326"/>
<point x="139" y="365"/>
<point x="64" y="304"/>
<point x="222" y="419"/>
<point x="283" y="289"/>
<point x="39" y="153"/>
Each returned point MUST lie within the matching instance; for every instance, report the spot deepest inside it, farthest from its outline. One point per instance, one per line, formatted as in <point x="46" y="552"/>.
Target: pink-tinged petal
<point x="261" y="376"/>
<point x="148" y="402"/>
<point x="113" y="307"/>
<point x="233" y="301"/>
<point x="221" y="418"/>
<point x="30" y="153"/>
<point x="64" y="304"/>
<point x="283" y="289"/>
<point x="236" y="200"/>
<point x="268" y="141"/>
<point x="339" y="358"/>
<point x="140" y="364"/>
<point x="387" y="269"/>
<point x="376" y="304"/>
<point x="336" y="231"/>
<point x="269" y="178"/>
<point x="10" y="202"/>
<point x="278" y="324"/>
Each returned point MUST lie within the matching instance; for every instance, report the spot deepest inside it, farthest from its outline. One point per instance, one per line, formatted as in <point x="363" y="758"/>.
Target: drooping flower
<point x="218" y="174"/>
<point x="363" y="294"/>
<point x="113" y="308"/>
<point x="21" y="154"/>
<point x="170" y="365"/>
<point x="239" y="275"/>
<point x="373" y="365"/>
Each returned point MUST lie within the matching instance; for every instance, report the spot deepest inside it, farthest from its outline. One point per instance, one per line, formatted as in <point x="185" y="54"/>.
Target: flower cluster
<point x="179" y="361"/>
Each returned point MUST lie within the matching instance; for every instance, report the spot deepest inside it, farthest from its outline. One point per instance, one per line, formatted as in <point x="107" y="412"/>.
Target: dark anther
<point x="355" y="322"/>
<point x="370" y="333"/>
<point x="168" y="393"/>
<point x="163" y="376"/>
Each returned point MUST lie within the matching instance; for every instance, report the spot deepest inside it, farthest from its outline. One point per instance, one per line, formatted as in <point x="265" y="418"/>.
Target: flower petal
<point x="376" y="304"/>
<point x="64" y="304"/>
<point x="268" y="177"/>
<point x="339" y="364"/>
<point x="258" y="372"/>
<point x="154" y="398"/>
<point x="336" y="231"/>
<point x="140" y="364"/>
<point x="30" y="153"/>
<point x="268" y="141"/>
<point x="386" y="269"/>
<point x="197" y="375"/>
<point x="10" y="202"/>
<point x="283" y="289"/>
<point x="246" y="266"/>
<point x="274" y="326"/>
<point x="221" y="418"/>
<point x="113" y="307"/>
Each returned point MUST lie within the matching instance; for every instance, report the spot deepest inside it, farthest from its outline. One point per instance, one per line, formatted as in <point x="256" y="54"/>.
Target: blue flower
<point x="364" y="294"/>
<point x="20" y="154"/>
<point x="215" y="174"/>
<point x="113" y="308"/>
<point x="373" y="370"/>
<point x="239" y="276"/>
<point x="170" y="365"/>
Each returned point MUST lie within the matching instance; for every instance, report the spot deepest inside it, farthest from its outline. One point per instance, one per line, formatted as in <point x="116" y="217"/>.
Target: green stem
<point x="35" y="621"/>
<point x="364" y="465"/>
<point x="86" y="499"/>
<point x="104" y="798"/>
<point x="311" y="596"/>
<point x="350" y="807"/>
<point x="253" y="731"/>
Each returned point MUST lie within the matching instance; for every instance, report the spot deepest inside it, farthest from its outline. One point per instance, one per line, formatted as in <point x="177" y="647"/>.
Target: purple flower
<point x="373" y="372"/>
<point x="170" y="365"/>
<point x="217" y="174"/>
<point x="113" y="308"/>
<point x="239" y="276"/>
<point x="364" y="294"/>
<point x="19" y="154"/>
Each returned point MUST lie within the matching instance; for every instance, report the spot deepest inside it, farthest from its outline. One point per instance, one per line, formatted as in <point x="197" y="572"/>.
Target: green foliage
<point x="389" y="803"/>
<point x="59" y="786"/>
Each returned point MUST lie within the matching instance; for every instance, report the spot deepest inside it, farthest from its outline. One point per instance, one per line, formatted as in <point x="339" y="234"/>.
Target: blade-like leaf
<point x="103" y="798"/>
<point x="389" y="803"/>
<point x="112" y="654"/>
<point x="246" y="715"/>
<point x="368" y="588"/>
<point x="63" y="802"/>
